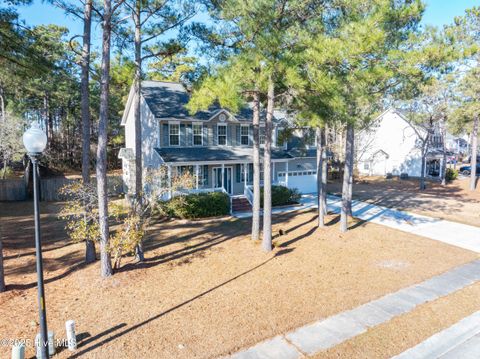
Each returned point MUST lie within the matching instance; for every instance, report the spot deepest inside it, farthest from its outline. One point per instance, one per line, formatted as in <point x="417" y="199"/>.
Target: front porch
<point x="220" y="168"/>
<point x="233" y="178"/>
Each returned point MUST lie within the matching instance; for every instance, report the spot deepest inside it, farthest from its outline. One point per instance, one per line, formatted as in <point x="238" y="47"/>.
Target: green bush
<point x="201" y="205"/>
<point x="451" y="174"/>
<point x="282" y="196"/>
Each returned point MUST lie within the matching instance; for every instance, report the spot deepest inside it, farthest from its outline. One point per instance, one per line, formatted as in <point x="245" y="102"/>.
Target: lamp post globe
<point x="35" y="141"/>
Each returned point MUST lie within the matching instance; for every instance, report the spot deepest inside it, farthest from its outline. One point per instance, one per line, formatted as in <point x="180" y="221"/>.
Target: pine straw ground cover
<point x="206" y="290"/>
<point x="454" y="201"/>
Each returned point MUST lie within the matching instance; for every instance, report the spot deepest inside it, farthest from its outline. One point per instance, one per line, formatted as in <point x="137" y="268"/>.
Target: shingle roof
<point x="212" y="154"/>
<point x="168" y="100"/>
<point x="307" y="153"/>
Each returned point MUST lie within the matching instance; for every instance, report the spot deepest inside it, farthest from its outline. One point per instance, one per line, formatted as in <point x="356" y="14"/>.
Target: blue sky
<point x="438" y="13"/>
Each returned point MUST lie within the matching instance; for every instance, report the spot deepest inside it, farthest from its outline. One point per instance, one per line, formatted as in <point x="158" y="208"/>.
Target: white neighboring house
<point x="391" y="145"/>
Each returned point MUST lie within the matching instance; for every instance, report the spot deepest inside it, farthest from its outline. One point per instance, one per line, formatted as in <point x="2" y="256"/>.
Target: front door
<point x="227" y="178"/>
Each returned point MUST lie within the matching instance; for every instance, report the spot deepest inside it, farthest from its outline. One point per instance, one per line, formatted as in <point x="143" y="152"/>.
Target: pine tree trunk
<point x="2" y="272"/>
<point x="106" y="264"/>
<point x="473" y="159"/>
<point x="267" y="170"/>
<point x="256" y="167"/>
<point x="320" y="187"/>
<point x="2" y="104"/>
<point x="423" y="166"/>
<point x="444" y="163"/>
<point x="137" y="120"/>
<point x="90" y="254"/>
<point x="347" y="179"/>
<point x="45" y="118"/>
<point x="325" y="172"/>
<point x="85" y="100"/>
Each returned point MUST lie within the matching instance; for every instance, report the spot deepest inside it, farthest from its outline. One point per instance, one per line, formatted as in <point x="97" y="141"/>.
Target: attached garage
<point x="305" y="181"/>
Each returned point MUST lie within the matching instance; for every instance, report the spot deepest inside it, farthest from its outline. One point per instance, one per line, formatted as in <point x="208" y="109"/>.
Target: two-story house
<point x="391" y="145"/>
<point x="215" y="145"/>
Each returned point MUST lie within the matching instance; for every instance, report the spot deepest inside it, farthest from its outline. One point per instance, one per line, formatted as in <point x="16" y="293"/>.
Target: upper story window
<point x="262" y="139"/>
<point x="197" y="134"/>
<point x="244" y="130"/>
<point x="174" y="134"/>
<point x="222" y="135"/>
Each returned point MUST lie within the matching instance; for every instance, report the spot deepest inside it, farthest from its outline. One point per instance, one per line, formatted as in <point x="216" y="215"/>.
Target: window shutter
<point x="229" y="135"/>
<point x="238" y="129"/>
<point x="205" y="174"/>
<point x="250" y="172"/>
<point x="183" y="135"/>
<point x="189" y="134"/>
<point x="239" y="170"/>
<point x="215" y="139"/>
<point x="250" y="135"/>
<point x="164" y="135"/>
<point x="205" y="136"/>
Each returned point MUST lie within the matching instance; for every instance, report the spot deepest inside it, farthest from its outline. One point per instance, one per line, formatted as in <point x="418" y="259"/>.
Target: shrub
<point x="451" y="174"/>
<point x="201" y="205"/>
<point x="282" y="195"/>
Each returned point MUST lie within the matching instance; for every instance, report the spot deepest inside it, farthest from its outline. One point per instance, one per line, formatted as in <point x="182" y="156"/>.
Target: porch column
<point x="245" y="175"/>
<point x="169" y="171"/>
<point x="286" y="173"/>
<point x="196" y="174"/>
<point x="223" y="174"/>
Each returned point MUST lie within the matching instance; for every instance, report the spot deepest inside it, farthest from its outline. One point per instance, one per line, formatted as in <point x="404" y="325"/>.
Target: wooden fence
<point x="16" y="190"/>
<point x="13" y="190"/>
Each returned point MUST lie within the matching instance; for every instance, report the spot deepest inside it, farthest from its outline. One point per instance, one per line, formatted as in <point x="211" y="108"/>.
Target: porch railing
<point x="196" y="191"/>
<point x="248" y="193"/>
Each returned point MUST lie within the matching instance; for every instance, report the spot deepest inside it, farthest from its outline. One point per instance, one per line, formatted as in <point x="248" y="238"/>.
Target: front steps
<point x="240" y="204"/>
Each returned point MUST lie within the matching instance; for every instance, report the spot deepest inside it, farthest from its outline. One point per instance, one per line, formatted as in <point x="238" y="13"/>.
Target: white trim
<point x="229" y="116"/>
<point x="214" y="162"/>
<point x="223" y="124"/>
<point x="126" y="111"/>
<point x="169" y="133"/>
<point x="223" y="168"/>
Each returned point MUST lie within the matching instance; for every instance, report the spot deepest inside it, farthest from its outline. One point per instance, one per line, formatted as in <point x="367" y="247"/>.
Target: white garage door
<point x="304" y="181"/>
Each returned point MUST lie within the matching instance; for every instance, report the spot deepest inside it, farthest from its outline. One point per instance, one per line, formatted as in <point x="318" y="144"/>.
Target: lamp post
<point x="35" y="141"/>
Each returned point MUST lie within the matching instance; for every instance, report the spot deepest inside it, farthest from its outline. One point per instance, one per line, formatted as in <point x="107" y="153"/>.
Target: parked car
<point x="465" y="170"/>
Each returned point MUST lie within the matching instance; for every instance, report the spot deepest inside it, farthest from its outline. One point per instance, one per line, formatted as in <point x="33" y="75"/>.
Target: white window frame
<point x="193" y="133"/>
<point x="218" y="134"/>
<point x="170" y="124"/>
<point x="247" y="135"/>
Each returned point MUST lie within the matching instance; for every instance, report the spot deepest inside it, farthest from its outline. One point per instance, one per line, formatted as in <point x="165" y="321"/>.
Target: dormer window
<point x="174" y="134"/>
<point x="222" y="135"/>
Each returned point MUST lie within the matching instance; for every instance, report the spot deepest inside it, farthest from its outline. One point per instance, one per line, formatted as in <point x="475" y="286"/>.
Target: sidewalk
<point x="461" y="340"/>
<point x="456" y="234"/>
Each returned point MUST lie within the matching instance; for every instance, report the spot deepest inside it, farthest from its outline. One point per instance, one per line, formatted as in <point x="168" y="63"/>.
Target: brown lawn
<point x="454" y="202"/>
<point x="206" y="290"/>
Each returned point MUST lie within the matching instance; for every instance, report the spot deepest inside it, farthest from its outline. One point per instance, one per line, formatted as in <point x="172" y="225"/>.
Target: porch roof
<point x="214" y="154"/>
